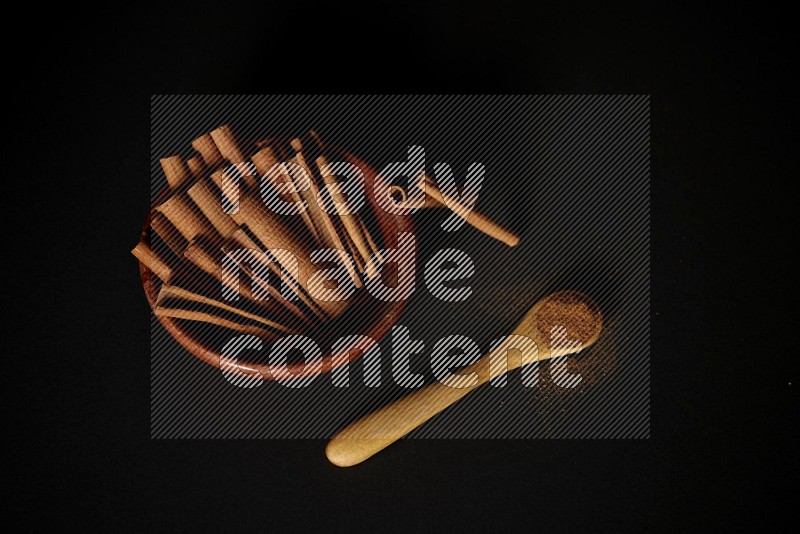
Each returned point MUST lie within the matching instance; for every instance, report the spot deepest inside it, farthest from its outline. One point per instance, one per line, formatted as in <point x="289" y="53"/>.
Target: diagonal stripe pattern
<point x="570" y="174"/>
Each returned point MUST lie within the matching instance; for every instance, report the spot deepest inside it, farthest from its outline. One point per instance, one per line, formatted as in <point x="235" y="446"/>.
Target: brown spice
<point x="572" y="311"/>
<point x="594" y="365"/>
<point x="582" y="320"/>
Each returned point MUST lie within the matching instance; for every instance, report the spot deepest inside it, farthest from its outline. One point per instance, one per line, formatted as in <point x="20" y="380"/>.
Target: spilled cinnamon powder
<point x="582" y="319"/>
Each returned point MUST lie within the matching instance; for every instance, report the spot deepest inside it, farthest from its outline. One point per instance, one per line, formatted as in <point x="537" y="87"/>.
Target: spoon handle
<point x="367" y="436"/>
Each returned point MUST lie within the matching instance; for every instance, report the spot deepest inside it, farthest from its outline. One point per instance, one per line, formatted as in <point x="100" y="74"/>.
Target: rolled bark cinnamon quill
<point x="176" y="172"/>
<point x="205" y="317"/>
<point x="271" y="231"/>
<point x="173" y="292"/>
<point x="150" y="259"/>
<point x="197" y="253"/>
<point x="327" y="230"/>
<point x="196" y="166"/>
<point x="361" y="227"/>
<point x="165" y="230"/>
<point x="354" y="227"/>
<point x="235" y="153"/>
<point x="186" y="218"/>
<point x="264" y="160"/>
<point x="204" y="145"/>
<point x="472" y="217"/>
<point x="209" y="203"/>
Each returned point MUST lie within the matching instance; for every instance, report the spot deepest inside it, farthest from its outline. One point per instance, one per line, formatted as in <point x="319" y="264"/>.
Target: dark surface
<point x="720" y="393"/>
<point x="569" y="174"/>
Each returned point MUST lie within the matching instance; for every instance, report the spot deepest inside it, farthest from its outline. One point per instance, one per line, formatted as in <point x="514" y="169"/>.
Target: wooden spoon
<point x="575" y="312"/>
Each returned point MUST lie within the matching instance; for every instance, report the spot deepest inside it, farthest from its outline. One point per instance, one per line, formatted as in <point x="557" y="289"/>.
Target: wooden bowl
<point x="366" y="315"/>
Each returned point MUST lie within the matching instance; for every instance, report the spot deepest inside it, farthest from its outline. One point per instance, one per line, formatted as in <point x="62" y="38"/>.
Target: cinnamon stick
<point x="175" y="171"/>
<point x="204" y="317"/>
<point x="202" y="258"/>
<point x="183" y="215"/>
<point x="165" y="230"/>
<point x="376" y="251"/>
<point x="240" y="240"/>
<point x="205" y="146"/>
<point x="228" y="146"/>
<point x="270" y="229"/>
<point x="170" y="292"/>
<point x="355" y="255"/>
<point x="210" y="205"/>
<point x="350" y="223"/>
<point x="196" y="166"/>
<point x="474" y="218"/>
<point x="232" y="151"/>
<point x="150" y="259"/>
<point x="399" y="195"/>
<point x="327" y="229"/>
<point x="264" y="160"/>
<point x="360" y="228"/>
<point x="227" y="187"/>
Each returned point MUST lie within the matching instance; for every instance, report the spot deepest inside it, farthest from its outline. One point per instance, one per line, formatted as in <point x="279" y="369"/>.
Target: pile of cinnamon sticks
<point x="214" y="223"/>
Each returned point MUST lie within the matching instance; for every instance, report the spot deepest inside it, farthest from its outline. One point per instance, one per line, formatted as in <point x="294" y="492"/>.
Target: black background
<point x="722" y="112"/>
<point x="593" y="242"/>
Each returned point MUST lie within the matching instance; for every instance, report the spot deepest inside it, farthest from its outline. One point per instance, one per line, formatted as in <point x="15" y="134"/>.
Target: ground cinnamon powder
<point x="574" y="312"/>
<point x="582" y="319"/>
